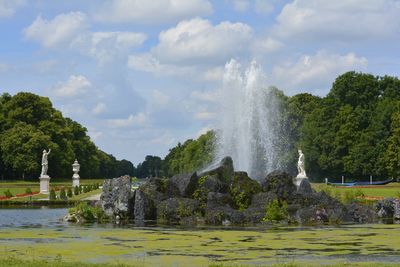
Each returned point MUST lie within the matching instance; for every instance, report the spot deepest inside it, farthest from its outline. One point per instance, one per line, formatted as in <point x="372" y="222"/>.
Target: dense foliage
<point x="29" y="123"/>
<point x="189" y="156"/>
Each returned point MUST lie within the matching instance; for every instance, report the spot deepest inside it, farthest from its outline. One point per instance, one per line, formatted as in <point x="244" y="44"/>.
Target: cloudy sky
<point x="143" y="75"/>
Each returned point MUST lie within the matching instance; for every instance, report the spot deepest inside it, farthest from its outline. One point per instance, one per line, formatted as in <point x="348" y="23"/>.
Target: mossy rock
<point x="224" y="171"/>
<point x="242" y="189"/>
<point x="174" y="210"/>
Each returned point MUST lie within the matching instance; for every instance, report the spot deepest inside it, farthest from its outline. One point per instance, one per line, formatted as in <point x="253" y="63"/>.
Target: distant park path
<point x="94" y="197"/>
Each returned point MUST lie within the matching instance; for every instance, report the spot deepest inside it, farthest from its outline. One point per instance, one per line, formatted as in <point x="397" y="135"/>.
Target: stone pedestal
<point x="75" y="180"/>
<point x="44" y="184"/>
<point x="298" y="179"/>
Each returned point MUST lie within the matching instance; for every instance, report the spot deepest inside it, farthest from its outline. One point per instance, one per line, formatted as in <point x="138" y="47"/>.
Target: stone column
<point x="75" y="177"/>
<point x="44" y="184"/>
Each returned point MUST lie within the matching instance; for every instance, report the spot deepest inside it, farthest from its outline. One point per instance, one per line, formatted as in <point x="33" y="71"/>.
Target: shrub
<point x="63" y="195"/>
<point x="80" y="189"/>
<point x="28" y="191"/>
<point x="88" y="213"/>
<point x="76" y="190"/>
<point x="8" y="193"/>
<point x="52" y="195"/>
<point x="275" y="211"/>
<point x="69" y="193"/>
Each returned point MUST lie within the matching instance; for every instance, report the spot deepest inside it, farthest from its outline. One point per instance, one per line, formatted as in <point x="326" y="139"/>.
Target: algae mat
<point x="201" y="247"/>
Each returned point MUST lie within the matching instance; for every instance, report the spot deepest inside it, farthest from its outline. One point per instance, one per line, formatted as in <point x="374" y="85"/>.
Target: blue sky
<point x="143" y="75"/>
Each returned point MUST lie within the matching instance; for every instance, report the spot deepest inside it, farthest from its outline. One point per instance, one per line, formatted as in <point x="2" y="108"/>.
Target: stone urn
<point x="75" y="177"/>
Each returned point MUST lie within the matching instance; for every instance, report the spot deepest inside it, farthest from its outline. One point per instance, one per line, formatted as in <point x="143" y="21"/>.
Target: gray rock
<point x="224" y="170"/>
<point x="388" y="208"/>
<point x="147" y="197"/>
<point x="280" y="183"/>
<point x="213" y="184"/>
<point x="116" y="197"/>
<point x="186" y="183"/>
<point x="305" y="187"/>
<point x="256" y="211"/>
<point x="175" y="210"/>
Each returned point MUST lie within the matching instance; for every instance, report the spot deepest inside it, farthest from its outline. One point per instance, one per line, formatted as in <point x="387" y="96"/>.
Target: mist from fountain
<point x="248" y="120"/>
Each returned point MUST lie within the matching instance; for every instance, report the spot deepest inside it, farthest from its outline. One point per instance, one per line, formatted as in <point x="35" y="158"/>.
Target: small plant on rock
<point x="275" y="211"/>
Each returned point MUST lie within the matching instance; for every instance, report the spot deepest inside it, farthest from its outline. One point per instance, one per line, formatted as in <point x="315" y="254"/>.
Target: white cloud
<point x="132" y="120"/>
<point x="94" y="134"/>
<point x="148" y="63"/>
<point x="151" y="12"/>
<point x="99" y="108"/>
<point x="267" y="45"/>
<point x="263" y="6"/>
<point x="159" y="99"/>
<point x="315" y="73"/>
<point x="76" y="85"/>
<point x="8" y="7"/>
<point x="207" y="96"/>
<point x="197" y="41"/>
<point x="105" y="46"/>
<point x="204" y="115"/>
<point x="59" y="31"/>
<point x="203" y="131"/>
<point x="164" y="139"/>
<point x="339" y="20"/>
<point x="213" y="74"/>
<point x="241" y="5"/>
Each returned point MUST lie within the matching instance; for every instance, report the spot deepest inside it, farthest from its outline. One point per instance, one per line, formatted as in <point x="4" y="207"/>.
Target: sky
<point x="143" y="75"/>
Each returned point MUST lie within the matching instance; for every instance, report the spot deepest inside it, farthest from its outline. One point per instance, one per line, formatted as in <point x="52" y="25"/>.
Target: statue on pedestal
<point x="301" y="170"/>
<point x="44" y="178"/>
<point x="75" y="177"/>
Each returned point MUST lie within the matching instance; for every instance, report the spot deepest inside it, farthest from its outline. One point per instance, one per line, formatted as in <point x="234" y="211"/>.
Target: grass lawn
<point x="19" y="187"/>
<point x="390" y="190"/>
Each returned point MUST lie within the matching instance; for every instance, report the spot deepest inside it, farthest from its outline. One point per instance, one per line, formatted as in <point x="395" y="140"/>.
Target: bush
<point x="80" y="189"/>
<point x="275" y="211"/>
<point x="52" y="195"/>
<point x="8" y="193"/>
<point x="69" y="193"/>
<point x="63" y="195"/>
<point x="76" y="190"/>
<point x="28" y="191"/>
<point x="88" y="213"/>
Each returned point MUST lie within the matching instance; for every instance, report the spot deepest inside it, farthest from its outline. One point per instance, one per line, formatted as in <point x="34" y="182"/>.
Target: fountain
<point x="248" y="121"/>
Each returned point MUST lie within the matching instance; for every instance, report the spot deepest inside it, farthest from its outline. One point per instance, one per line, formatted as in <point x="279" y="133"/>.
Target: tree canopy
<point x="29" y="123"/>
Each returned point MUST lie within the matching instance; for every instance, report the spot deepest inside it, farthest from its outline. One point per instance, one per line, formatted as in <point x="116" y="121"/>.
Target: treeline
<point x="353" y="131"/>
<point x="29" y="124"/>
<point x="189" y="156"/>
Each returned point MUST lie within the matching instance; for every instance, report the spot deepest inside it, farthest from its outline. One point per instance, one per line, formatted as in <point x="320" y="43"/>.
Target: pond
<point x="38" y="233"/>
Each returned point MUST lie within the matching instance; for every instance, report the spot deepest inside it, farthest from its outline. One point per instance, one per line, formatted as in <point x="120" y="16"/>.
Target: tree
<point x="21" y="149"/>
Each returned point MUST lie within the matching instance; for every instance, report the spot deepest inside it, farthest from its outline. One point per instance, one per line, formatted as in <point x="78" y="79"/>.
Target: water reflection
<point x="32" y="217"/>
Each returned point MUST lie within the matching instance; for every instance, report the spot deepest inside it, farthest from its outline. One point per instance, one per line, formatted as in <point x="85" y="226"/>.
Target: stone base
<point x="298" y="179"/>
<point x="44" y="184"/>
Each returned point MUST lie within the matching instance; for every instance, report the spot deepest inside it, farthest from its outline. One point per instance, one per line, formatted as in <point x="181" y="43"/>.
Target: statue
<point x="44" y="178"/>
<point x="45" y="163"/>
<point x="301" y="170"/>
<point x="300" y="165"/>
<point x="75" y="177"/>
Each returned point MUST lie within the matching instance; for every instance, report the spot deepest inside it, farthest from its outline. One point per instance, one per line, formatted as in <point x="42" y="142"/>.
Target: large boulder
<point x="280" y="183"/>
<point x="242" y="190"/>
<point x="218" y="210"/>
<point x="147" y="197"/>
<point x="174" y="210"/>
<point x="305" y="187"/>
<point x="116" y="198"/>
<point x="223" y="171"/>
<point x="186" y="183"/>
<point x="256" y="211"/>
<point x="388" y="208"/>
<point x="207" y="184"/>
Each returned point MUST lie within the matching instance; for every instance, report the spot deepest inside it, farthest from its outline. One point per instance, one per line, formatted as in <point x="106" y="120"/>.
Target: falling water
<point x="248" y="120"/>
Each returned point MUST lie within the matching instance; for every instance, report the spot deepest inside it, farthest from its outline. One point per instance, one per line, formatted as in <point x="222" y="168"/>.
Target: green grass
<point x="85" y="195"/>
<point x="390" y="190"/>
<point x="292" y="246"/>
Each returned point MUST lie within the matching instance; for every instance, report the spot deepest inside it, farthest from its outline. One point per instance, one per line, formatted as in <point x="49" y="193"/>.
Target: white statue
<point x="300" y="165"/>
<point x="301" y="169"/>
<point x="75" y="177"/>
<point x="44" y="178"/>
<point x="45" y="163"/>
